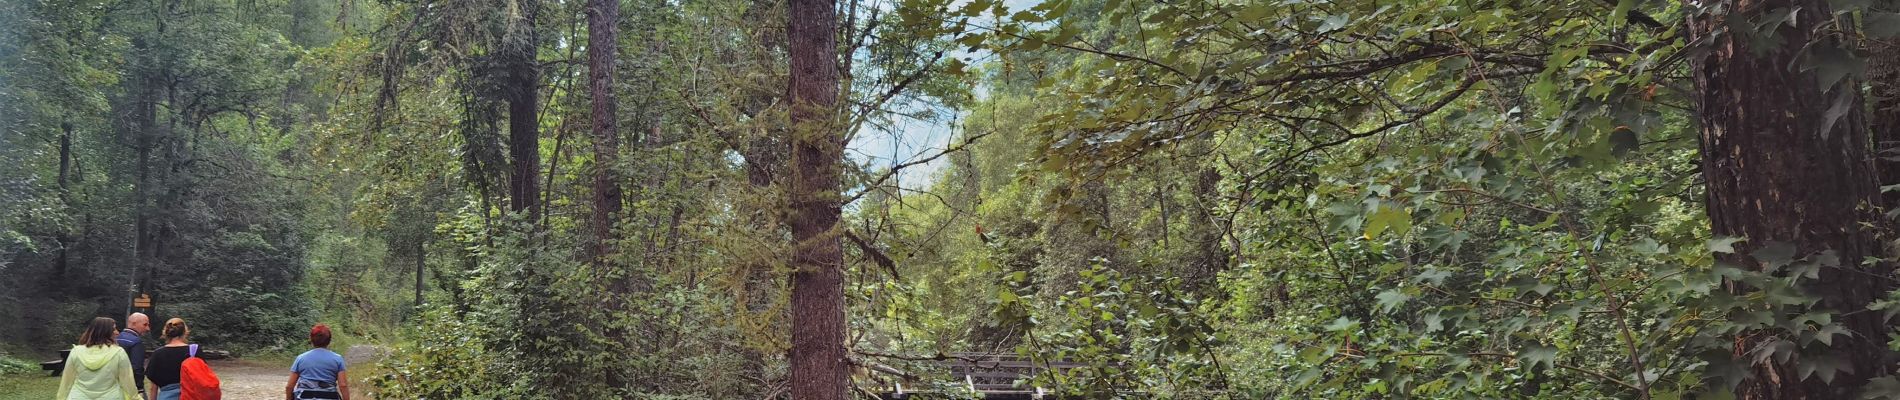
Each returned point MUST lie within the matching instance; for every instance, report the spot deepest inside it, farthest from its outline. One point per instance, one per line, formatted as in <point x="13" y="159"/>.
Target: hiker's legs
<point x="169" y="392"/>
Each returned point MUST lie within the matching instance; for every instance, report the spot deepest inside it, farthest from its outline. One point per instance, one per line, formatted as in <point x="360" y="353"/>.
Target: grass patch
<point x="30" y="386"/>
<point x="360" y="376"/>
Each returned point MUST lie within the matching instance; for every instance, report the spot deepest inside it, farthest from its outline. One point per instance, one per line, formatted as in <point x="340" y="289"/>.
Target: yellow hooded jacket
<point x="97" y="373"/>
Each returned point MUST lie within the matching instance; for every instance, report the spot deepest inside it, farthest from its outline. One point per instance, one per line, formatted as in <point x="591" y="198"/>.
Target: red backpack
<point x="196" y="381"/>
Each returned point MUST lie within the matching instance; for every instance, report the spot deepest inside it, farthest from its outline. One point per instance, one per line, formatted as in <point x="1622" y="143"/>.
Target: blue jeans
<point x="169" y="392"/>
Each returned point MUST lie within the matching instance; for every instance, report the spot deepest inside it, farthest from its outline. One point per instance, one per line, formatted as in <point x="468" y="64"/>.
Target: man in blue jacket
<point x="133" y="340"/>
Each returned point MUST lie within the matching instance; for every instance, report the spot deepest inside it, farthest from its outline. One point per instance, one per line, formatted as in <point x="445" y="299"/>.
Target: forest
<point x="961" y="199"/>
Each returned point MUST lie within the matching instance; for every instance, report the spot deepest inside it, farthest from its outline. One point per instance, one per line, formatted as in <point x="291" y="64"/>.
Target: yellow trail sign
<point x="144" y="301"/>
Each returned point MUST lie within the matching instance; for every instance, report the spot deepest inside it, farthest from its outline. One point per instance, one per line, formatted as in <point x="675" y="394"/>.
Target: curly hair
<point x="175" y="328"/>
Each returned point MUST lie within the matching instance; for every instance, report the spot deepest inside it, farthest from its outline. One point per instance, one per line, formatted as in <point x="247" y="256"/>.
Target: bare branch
<point x="1428" y="110"/>
<point x="900" y="167"/>
<point x="876" y="256"/>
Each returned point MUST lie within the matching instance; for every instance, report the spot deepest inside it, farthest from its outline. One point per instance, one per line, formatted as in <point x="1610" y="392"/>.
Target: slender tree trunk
<point x="422" y="260"/>
<point x="818" y="366"/>
<point x="1777" y="172"/>
<point x="1883" y="75"/>
<point x="524" y="125"/>
<point x="1209" y="258"/>
<point x="764" y="159"/>
<point x="65" y="157"/>
<point x="63" y="260"/>
<point x="603" y="17"/>
<point x="143" y="121"/>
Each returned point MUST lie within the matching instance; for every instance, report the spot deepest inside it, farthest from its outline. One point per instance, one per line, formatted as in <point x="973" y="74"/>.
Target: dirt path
<point x="248" y="380"/>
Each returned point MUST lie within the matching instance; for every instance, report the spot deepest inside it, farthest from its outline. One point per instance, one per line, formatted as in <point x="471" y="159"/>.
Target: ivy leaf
<point x="1826" y="334"/>
<point x="1775" y="351"/>
<point x="1006" y="297"/>
<point x="1535" y="355"/>
<point x="1387" y="218"/>
<point x="1724" y="244"/>
<point x="1435" y="276"/>
<point x="1391" y="299"/>
<point x="1572" y="310"/>
<point x="975" y="7"/>
<point x="1824" y="366"/>
<point x="954" y="66"/>
<point x="1843" y="101"/>
<point x="1650" y="247"/>
<point x="1774" y="255"/>
<point x="1434" y="322"/>
<point x="1832" y="63"/>
<point x="1342" y="324"/>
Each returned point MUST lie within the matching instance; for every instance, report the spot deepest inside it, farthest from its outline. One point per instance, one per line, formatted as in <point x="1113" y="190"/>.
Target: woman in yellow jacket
<point x="98" y="368"/>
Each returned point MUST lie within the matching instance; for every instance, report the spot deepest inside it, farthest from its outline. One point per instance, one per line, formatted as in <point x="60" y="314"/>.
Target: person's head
<point x="320" y="336"/>
<point x="175" y="329"/>
<point x="99" y="332"/>
<point x="138" y="322"/>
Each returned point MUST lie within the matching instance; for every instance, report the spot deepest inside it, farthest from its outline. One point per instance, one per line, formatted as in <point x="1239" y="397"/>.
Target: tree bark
<point x="603" y="17"/>
<point x="65" y="156"/>
<point x="524" y="130"/>
<point x="1883" y="75"/>
<point x="63" y="260"/>
<point x="818" y="365"/>
<point x="143" y="120"/>
<point x="1208" y="258"/>
<point x="422" y="260"/>
<point x="1777" y="172"/>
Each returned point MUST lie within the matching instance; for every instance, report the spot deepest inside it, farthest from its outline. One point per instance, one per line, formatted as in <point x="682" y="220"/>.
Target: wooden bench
<point x="57" y="365"/>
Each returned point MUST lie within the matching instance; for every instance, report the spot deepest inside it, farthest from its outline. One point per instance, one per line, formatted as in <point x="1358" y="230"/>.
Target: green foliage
<point x="1418" y="202"/>
<point x="446" y="360"/>
<point x="11" y="366"/>
<point x="1183" y="199"/>
<point x="1133" y="335"/>
<point x="155" y="145"/>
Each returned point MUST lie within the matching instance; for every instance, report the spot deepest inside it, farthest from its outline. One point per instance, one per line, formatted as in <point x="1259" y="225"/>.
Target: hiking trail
<point x="252" y="380"/>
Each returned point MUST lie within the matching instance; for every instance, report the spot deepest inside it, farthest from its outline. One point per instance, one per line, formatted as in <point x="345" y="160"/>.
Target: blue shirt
<point x="319" y="365"/>
<point x="134" y="350"/>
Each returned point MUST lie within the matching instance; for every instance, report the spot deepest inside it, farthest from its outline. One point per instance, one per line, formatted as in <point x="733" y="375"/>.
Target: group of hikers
<point x="107" y="367"/>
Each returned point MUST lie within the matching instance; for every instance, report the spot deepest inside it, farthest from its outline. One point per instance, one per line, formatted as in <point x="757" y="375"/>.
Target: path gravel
<point x="249" y="380"/>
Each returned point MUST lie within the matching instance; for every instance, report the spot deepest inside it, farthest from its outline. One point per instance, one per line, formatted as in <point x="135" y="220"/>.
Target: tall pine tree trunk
<point x="143" y="122"/>
<point x="602" y="19"/>
<point x="819" y="370"/>
<point x="524" y="129"/>
<point x="1778" y="170"/>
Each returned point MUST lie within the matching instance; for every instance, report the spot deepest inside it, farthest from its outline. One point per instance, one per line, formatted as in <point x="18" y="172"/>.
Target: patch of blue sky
<point x="916" y="128"/>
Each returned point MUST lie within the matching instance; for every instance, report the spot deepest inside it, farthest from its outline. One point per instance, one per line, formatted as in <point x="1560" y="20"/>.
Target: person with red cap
<point x="318" y="373"/>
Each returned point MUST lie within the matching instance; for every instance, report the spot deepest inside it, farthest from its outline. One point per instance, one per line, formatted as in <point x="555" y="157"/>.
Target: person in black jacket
<point x="133" y="340"/>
